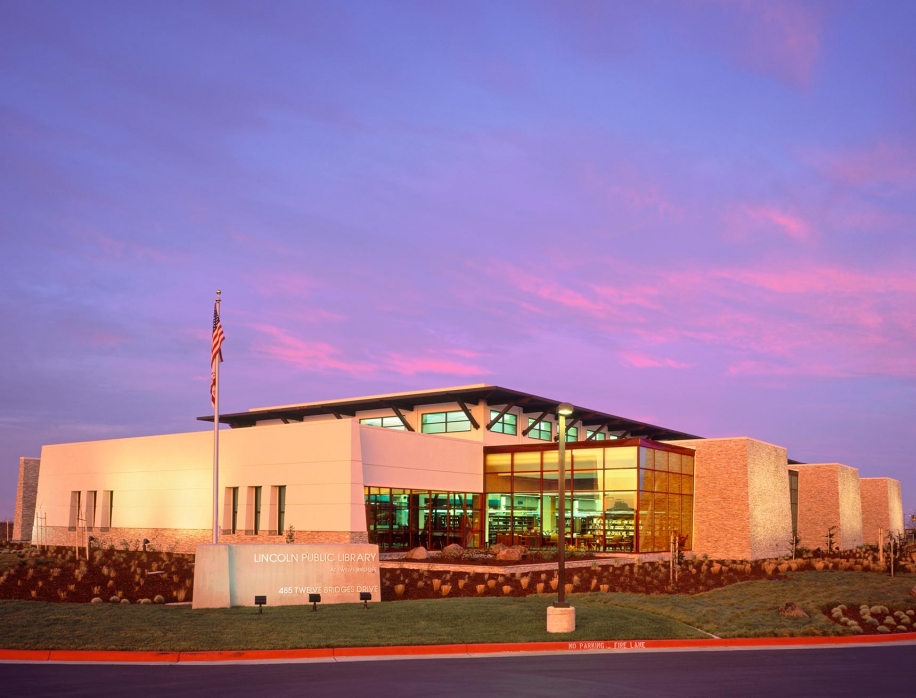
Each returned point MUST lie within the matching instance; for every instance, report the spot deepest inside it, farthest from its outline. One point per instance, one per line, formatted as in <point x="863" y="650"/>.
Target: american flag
<point x="216" y="352"/>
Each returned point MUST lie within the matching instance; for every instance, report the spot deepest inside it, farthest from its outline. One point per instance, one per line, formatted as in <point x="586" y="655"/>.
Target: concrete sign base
<point x="232" y="575"/>
<point x="561" y="620"/>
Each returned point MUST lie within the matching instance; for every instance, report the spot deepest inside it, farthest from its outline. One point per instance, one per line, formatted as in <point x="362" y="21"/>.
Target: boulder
<point x="791" y="610"/>
<point x="418" y="554"/>
<point x="453" y="550"/>
<point x="513" y="554"/>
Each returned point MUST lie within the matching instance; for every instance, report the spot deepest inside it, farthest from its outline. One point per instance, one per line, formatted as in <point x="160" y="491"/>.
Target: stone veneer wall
<point x="828" y="495"/>
<point x="180" y="540"/>
<point x="26" y="494"/>
<point x="882" y="507"/>
<point x="769" y="500"/>
<point x="741" y="501"/>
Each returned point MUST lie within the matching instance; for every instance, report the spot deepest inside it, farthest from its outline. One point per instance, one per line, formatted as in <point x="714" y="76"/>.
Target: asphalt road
<point x="853" y="671"/>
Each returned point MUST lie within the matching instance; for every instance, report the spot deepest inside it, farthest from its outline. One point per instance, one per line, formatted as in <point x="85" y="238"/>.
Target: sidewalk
<point x="344" y="654"/>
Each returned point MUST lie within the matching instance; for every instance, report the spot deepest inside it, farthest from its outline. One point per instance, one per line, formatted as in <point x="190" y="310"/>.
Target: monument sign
<point x="232" y="575"/>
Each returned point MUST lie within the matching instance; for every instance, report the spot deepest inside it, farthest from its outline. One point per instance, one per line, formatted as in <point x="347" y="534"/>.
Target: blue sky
<point x="699" y="214"/>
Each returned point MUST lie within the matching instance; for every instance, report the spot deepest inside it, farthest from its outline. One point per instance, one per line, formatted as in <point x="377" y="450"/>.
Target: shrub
<point x="96" y="599"/>
<point x="125" y="601"/>
<point x="114" y="599"/>
<point x="159" y="598"/>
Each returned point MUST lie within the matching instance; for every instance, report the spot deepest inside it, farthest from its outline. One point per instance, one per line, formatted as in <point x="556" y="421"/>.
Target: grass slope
<point x="742" y="610"/>
<point x="749" y="609"/>
<point x="37" y="625"/>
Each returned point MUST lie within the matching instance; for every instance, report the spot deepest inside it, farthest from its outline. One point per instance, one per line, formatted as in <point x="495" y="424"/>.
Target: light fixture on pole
<point x="561" y="617"/>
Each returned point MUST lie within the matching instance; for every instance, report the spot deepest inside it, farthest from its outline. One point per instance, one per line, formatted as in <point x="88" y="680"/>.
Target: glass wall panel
<point x="587" y="459"/>
<point x="674" y="482"/>
<point x="619" y="520"/>
<point x="620" y="479"/>
<point x="602" y="510"/>
<point x="526" y="482"/>
<point x="686" y="485"/>
<point x="647" y="480"/>
<point x="661" y="521"/>
<point x="550" y="480"/>
<point x="497" y="483"/>
<point x="620" y="457"/>
<point x="498" y="462"/>
<point x="527" y="462"/>
<point x="588" y="481"/>
<point x="674" y="512"/>
<point x="646" y="522"/>
<point x="674" y="462"/>
<point x="552" y="460"/>
<point x="687" y="465"/>
<point x="647" y="458"/>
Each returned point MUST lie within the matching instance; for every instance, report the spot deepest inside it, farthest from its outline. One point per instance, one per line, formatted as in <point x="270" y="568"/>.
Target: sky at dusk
<point x="696" y="214"/>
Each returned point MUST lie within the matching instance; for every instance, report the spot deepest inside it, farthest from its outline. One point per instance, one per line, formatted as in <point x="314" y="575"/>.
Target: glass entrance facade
<point x="627" y="497"/>
<point x="400" y="519"/>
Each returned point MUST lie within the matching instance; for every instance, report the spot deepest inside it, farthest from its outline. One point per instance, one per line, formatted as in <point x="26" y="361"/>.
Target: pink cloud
<point x="749" y="219"/>
<point x="640" y="360"/>
<point x="409" y="366"/>
<point x="646" y="199"/>
<point x="776" y="38"/>
<point x="763" y="318"/>
<point x="884" y="164"/>
<point x="313" y="356"/>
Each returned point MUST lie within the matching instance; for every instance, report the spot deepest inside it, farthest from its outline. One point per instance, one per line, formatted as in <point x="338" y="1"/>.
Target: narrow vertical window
<point x="235" y="509"/>
<point x="74" y="510"/>
<point x="90" y="509"/>
<point x="257" y="510"/>
<point x="281" y="509"/>
<point x="107" y="499"/>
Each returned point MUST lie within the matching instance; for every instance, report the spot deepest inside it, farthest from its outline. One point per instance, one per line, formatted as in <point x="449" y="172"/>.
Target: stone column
<point x="26" y="494"/>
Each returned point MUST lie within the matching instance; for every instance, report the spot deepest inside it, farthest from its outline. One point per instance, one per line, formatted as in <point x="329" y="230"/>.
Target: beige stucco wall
<point x="162" y="485"/>
<point x="828" y="495"/>
<point x="741" y="506"/>
<point x="882" y="507"/>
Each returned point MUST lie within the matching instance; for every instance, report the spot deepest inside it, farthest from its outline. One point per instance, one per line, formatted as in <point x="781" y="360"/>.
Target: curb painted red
<point x="252" y="655"/>
<point x="352" y="653"/>
<point x="111" y="656"/>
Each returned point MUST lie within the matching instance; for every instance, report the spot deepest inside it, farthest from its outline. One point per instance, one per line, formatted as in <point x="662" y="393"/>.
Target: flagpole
<point x="216" y="443"/>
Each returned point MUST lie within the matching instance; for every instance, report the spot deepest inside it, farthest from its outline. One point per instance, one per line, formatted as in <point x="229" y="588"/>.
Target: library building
<point x="474" y="465"/>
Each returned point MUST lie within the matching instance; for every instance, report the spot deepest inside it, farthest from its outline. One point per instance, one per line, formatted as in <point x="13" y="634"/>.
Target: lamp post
<point x="561" y="617"/>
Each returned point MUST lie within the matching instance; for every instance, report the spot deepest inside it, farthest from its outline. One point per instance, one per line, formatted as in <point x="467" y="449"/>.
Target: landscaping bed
<point x="874" y="620"/>
<point x="55" y="574"/>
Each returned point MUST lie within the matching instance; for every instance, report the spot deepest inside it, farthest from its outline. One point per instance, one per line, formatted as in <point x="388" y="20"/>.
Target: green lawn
<point x="36" y="625"/>
<point x="749" y="609"/>
<point x="741" y="610"/>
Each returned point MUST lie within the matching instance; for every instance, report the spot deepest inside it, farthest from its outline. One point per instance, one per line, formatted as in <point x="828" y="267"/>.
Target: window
<point x="281" y="509"/>
<point x="590" y="435"/>
<point x="572" y="434"/>
<point x="441" y="422"/>
<point x="257" y="510"/>
<point x="107" y="505"/>
<point x="542" y="430"/>
<point x="386" y="422"/>
<point x="90" y="510"/>
<point x="235" y="509"/>
<point x="74" y="510"/>
<point x="507" y="424"/>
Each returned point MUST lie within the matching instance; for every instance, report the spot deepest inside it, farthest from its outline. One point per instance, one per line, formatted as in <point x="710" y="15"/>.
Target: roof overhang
<point x="492" y="394"/>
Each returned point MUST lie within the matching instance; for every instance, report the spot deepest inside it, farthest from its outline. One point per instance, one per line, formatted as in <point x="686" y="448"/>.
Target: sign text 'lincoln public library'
<point x="232" y="575"/>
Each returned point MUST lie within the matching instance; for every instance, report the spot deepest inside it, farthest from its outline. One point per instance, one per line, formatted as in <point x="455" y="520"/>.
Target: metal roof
<point x="492" y="394"/>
